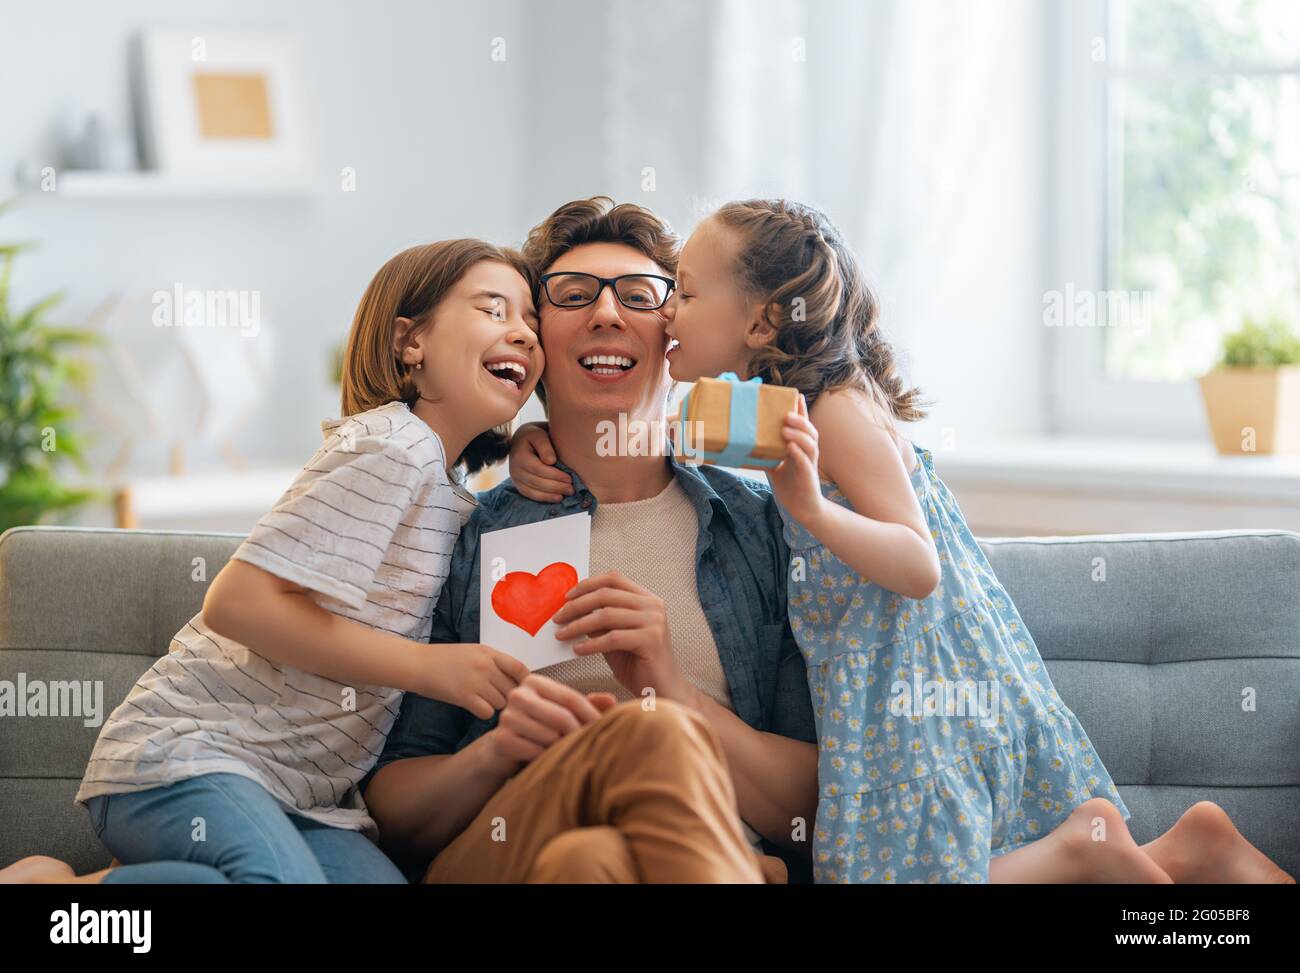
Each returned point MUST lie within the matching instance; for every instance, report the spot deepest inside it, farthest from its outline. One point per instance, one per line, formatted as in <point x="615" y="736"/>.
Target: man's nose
<point x="606" y="311"/>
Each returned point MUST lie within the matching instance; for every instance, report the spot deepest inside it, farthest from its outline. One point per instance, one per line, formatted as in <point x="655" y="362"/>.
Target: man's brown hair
<point x="599" y="220"/>
<point x="411" y="285"/>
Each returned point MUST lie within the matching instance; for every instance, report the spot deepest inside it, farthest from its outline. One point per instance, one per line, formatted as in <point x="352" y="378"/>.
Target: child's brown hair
<point x="411" y="285"/>
<point x="827" y="328"/>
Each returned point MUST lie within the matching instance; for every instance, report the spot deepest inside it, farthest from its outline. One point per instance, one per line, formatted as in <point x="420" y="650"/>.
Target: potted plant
<point x="1252" y="397"/>
<point x="36" y="425"/>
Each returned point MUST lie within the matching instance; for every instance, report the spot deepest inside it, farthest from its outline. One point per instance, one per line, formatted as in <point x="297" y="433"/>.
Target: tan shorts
<point x="638" y="796"/>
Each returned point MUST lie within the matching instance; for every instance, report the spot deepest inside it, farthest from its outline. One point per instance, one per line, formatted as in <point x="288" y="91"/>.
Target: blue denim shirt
<point x="740" y="567"/>
<point x="741" y="563"/>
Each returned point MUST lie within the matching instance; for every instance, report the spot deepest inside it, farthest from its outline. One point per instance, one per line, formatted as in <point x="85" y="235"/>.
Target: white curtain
<point x="920" y="126"/>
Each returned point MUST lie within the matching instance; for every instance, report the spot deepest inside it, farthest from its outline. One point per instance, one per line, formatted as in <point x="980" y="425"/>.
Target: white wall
<point x="938" y="181"/>
<point x="920" y="126"/>
<point x="407" y="95"/>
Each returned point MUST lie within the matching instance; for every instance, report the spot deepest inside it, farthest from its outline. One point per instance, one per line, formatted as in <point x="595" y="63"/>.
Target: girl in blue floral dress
<point x="942" y="741"/>
<point x="945" y="753"/>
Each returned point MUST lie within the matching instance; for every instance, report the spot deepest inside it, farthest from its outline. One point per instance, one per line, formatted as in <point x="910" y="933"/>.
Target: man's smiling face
<point x="604" y="358"/>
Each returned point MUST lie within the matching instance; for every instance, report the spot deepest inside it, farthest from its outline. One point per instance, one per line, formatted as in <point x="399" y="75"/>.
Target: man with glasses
<point x="707" y="769"/>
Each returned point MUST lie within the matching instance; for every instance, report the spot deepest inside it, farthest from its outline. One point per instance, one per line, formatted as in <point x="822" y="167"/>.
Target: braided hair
<point x="792" y="258"/>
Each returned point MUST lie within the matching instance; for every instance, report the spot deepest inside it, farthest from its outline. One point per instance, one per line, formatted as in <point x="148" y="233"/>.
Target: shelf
<point x="157" y="185"/>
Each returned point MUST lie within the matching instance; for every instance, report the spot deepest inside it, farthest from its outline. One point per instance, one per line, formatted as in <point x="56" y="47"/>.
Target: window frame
<point x="1083" y="398"/>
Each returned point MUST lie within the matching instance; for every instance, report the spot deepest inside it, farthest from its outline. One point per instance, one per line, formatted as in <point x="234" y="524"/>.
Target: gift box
<point x="727" y="422"/>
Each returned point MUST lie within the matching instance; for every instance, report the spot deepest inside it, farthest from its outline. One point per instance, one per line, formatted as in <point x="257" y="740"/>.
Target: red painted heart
<point x="529" y="600"/>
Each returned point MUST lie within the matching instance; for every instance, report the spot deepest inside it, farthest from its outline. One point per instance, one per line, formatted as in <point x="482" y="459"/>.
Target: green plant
<point x="36" y="426"/>
<point x="1270" y="343"/>
<point x="336" y="363"/>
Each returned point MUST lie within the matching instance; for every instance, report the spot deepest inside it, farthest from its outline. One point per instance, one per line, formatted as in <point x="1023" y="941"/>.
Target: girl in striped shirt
<point x="237" y="756"/>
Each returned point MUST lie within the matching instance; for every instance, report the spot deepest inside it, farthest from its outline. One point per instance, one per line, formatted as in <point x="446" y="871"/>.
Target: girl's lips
<point x="511" y="371"/>
<point x="506" y="383"/>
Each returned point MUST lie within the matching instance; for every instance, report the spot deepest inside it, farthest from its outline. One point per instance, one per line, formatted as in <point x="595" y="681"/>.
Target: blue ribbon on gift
<point x="742" y="425"/>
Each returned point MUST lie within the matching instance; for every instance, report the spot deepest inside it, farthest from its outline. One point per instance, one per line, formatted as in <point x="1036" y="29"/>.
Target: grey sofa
<point x="1158" y="643"/>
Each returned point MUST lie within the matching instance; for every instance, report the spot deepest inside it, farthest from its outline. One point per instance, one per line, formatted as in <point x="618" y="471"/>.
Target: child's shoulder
<point x="847" y="402"/>
<point x="853" y="412"/>
<point x="390" y="430"/>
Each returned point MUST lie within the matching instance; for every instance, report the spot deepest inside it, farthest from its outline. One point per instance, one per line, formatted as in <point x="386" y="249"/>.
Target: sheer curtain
<point x="934" y="119"/>
<point x="920" y="126"/>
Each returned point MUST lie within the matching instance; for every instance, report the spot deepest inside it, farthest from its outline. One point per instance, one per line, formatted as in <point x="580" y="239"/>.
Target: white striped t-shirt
<point x="368" y="528"/>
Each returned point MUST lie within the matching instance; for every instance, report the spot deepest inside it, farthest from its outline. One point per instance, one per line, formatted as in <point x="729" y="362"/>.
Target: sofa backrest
<point x="83" y="605"/>
<point x="1180" y="654"/>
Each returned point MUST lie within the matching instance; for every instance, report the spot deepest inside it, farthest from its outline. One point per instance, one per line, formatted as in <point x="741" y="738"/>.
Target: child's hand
<point x="796" y="482"/>
<point x="532" y="465"/>
<point x="472" y="676"/>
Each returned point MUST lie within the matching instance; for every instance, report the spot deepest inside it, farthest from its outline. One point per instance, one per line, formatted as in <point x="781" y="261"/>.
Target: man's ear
<point x="761" y="331"/>
<point x="405" y="350"/>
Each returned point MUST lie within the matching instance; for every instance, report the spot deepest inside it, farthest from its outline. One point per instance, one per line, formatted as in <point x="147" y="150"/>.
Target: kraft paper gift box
<point x="727" y="422"/>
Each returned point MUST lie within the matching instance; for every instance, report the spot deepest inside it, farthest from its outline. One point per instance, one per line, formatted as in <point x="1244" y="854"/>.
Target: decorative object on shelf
<point x="231" y="373"/>
<point x="175" y="398"/>
<point x="37" y="425"/>
<point x="85" y="143"/>
<point x="1252" y="398"/>
<point x="727" y="422"/>
<point x="221" y="102"/>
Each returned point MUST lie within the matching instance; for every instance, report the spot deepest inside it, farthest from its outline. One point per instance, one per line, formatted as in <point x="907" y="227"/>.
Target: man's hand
<point x="630" y="626"/>
<point x="538" y="712"/>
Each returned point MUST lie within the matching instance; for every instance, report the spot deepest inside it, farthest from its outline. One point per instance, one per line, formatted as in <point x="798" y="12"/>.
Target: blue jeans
<point x="244" y="836"/>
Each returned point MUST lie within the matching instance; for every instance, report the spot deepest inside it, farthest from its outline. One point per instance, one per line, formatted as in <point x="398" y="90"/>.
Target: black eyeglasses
<point x="637" y="292"/>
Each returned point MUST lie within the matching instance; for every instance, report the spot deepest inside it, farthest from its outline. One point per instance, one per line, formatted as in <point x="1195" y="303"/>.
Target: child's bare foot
<point x="1204" y="846"/>
<point x="1092" y="845"/>
<point x="38" y="869"/>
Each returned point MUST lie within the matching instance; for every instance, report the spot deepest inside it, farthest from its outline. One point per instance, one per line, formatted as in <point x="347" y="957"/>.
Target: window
<point x="1203" y="191"/>
<point x="1178" y="158"/>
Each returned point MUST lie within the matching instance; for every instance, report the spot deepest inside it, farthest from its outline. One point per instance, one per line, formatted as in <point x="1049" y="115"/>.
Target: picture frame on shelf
<point x="226" y="104"/>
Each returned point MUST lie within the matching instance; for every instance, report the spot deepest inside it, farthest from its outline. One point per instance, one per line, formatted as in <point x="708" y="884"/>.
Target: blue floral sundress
<point x="941" y="739"/>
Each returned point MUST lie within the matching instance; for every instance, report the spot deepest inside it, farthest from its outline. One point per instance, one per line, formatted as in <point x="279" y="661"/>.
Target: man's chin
<point x="604" y="402"/>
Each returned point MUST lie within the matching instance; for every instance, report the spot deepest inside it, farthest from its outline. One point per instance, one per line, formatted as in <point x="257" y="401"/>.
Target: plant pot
<point x="1254" y="410"/>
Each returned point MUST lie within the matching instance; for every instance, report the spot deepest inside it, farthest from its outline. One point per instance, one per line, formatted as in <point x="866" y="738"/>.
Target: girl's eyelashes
<point x="498" y="315"/>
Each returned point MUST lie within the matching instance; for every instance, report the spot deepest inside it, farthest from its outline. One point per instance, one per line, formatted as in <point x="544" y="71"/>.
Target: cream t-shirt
<point x="652" y="542"/>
